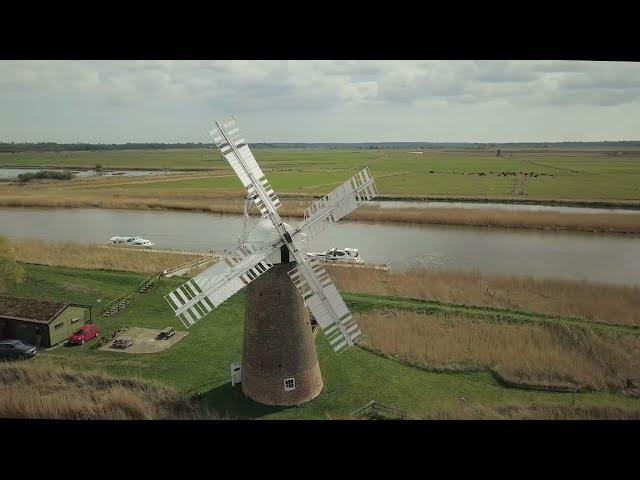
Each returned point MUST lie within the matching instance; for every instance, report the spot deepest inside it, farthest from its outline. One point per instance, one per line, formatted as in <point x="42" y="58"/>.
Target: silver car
<point x="16" y="349"/>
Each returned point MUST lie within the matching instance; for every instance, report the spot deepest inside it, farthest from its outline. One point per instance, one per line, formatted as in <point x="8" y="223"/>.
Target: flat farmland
<point x="570" y="177"/>
<point x="144" y="159"/>
<point x="583" y="175"/>
<point x="310" y="182"/>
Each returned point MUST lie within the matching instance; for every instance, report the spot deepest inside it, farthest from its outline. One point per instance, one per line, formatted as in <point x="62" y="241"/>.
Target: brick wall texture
<point x="278" y="342"/>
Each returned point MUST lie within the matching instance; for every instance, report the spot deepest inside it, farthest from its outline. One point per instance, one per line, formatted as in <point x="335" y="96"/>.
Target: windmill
<point x="279" y="361"/>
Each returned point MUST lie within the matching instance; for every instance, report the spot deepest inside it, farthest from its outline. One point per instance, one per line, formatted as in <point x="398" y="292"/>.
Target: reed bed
<point x="29" y="390"/>
<point x="211" y="203"/>
<point x="615" y="304"/>
<point x="10" y="271"/>
<point x="581" y="222"/>
<point x="232" y="203"/>
<point x="100" y="258"/>
<point x="523" y="354"/>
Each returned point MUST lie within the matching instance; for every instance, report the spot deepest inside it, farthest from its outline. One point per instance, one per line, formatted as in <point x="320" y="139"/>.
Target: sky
<point x="319" y="101"/>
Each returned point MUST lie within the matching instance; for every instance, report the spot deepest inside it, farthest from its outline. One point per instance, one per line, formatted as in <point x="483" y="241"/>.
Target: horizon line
<point x="40" y="142"/>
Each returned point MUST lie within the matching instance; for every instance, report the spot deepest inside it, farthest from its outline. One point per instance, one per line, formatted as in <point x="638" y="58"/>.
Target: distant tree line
<point x="49" y="174"/>
<point x="88" y="147"/>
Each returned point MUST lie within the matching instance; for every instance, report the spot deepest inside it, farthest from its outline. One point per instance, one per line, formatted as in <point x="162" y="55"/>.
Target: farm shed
<point x="40" y="322"/>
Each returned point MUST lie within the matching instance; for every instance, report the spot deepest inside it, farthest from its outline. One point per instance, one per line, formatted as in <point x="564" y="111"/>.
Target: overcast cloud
<point x="320" y="101"/>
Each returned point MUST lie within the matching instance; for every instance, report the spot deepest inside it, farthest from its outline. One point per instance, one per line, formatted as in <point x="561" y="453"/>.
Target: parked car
<point x="15" y="349"/>
<point x="85" y="333"/>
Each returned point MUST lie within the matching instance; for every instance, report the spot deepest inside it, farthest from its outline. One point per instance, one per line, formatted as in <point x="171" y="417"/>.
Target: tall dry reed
<point x="582" y="222"/>
<point x="617" y="304"/>
<point x="530" y="354"/>
<point x="85" y="256"/>
<point x="115" y="196"/>
<point x="29" y="390"/>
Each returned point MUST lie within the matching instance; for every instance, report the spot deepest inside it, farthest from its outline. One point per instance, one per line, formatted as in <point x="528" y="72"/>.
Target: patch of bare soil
<point x="145" y="340"/>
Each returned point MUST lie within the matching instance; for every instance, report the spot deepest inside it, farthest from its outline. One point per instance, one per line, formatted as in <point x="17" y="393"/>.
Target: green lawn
<point x="281" y="181"/>
<point x="587" y="174"/>
<point x="200" y="362"/>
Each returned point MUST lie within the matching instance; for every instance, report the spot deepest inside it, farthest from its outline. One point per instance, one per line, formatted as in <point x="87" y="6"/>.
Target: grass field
<point x="200" y="362"/>
<point x="561" y="174"/>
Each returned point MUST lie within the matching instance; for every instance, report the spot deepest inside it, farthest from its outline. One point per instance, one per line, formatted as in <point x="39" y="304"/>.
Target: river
<point x="516" y="207"/>
<point x="12" y="173"/>
<point x="575" y="255"/>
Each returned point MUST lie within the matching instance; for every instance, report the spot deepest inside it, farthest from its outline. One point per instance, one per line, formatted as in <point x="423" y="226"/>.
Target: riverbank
<point x="506" y="200"/>
<point x="74" y="255"/>
<point x="578" y="222"/>
<point x="351" y="379"/>
<point x="496" y="218"/>
<point x="601" y="303"/>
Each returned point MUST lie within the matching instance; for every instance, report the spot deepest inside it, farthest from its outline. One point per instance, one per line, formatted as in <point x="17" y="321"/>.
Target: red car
<point x="86" y="332"/>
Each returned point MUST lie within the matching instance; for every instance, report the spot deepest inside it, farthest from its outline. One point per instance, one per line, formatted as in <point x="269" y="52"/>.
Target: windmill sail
<point x="339" y="203"/>
<point x="322" y="298"/>
<point x="195" y="298"/>
<point x="237" y="153"/>
<point x="198" y="296"/>
<point x="312" y="281"/>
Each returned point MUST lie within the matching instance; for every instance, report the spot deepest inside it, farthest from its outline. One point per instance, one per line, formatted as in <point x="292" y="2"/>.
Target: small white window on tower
<point x="289" y="384"/>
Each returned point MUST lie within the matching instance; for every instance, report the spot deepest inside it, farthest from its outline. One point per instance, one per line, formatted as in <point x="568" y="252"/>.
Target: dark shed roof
<point x="41" y="311"/>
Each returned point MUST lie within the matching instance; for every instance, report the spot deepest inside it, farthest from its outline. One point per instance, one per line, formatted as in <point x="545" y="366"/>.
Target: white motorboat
<point x="336" y="255"/>
<point x="132" y="241"/>
<point x="125" y="240"/>
<point x="142" y="242"/>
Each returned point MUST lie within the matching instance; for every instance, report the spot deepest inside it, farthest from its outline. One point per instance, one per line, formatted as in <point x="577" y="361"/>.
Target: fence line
<point x="128" y="296"/>
<point x="188" y="266"/>
<point x="370" y="409"/>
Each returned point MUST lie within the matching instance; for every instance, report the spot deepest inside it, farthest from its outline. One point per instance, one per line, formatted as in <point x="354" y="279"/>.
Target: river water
<point x="12" y="173"/>
<point x="592" y="257"/>
<point x="517" y="207"/>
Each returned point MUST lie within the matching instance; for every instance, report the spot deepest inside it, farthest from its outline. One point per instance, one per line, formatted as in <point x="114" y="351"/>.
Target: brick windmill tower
<point x="279" y="361"/>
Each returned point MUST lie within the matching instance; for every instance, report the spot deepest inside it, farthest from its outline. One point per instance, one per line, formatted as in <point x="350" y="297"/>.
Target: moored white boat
<point x="119" y="239"/>
<point x="336" y="255"/>
<point x="131" y="241"/>
<point x="142" y="242"/>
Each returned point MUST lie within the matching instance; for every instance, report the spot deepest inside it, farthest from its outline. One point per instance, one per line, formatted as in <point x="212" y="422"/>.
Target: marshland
<point x="520" y="313"/>
<point x="203" y="181"/>
<point x="512" y="347"/>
